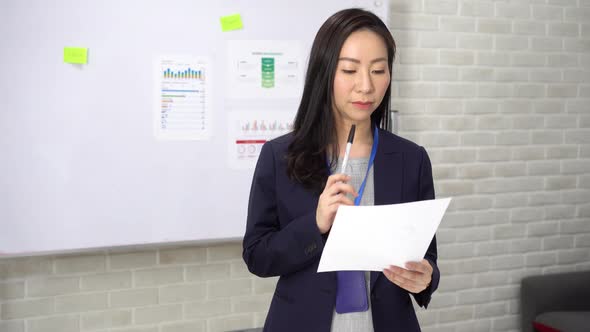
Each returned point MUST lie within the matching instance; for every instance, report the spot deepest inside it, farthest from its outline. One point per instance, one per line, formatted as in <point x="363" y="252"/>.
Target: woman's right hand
<point x="332" y="197"/>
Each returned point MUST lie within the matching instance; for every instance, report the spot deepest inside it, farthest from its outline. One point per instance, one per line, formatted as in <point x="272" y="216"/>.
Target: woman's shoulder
<point x="397" y="143"/>
<point x="276" y="148"/>
<point x="282" y="142"/>
<point x="388" y="140"/>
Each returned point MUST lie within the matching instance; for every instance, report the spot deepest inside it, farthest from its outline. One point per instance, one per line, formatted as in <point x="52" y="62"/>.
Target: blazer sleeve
<point x="272" y="248"/>
<point x="426" y="192"/>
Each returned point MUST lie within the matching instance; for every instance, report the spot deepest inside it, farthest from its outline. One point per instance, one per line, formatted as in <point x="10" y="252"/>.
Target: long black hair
<point x="314" y="128"/>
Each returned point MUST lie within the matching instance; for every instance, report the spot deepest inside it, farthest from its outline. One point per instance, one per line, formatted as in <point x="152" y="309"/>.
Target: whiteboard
<point x="81" y="166"/>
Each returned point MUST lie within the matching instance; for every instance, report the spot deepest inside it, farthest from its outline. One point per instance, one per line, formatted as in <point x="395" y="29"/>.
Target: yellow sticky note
<point x="78" y="55"/>
<point x="231" y="22"/>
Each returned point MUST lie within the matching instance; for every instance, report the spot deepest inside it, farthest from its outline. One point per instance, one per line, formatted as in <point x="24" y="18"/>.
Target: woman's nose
<point x="364" y="83"/>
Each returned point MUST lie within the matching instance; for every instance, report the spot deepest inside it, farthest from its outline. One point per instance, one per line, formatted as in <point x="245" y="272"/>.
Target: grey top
<point x="357" y="321"/>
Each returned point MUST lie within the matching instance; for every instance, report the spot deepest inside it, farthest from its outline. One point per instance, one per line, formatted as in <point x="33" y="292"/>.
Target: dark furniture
<point x="559" y="301"/>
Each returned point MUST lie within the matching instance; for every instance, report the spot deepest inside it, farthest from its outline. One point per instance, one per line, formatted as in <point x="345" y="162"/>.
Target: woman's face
<point x="362" y="77"/>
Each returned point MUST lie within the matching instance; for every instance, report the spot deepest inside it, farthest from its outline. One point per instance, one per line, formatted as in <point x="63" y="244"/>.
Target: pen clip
<point x="348" y="147"/>
<point x="351" y="134"/>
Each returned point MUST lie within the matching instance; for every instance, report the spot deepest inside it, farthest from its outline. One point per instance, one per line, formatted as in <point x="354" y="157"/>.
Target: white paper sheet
<point x="265" y="69"/>
<point x="183" y="98"/>
<point x="249" y="130"/>
<point x="370" y="238"/>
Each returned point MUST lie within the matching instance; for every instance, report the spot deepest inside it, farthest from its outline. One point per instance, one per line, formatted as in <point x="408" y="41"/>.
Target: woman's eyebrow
<point x="359" y="61"/>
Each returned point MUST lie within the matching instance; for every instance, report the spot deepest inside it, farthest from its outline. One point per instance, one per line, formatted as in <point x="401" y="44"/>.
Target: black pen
<point x="348" y="146"/>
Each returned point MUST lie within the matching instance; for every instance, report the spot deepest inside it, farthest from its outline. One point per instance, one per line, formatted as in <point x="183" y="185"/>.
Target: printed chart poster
<point x="265" y="69"/>
<point x="249" y="130"/>
<point x="183" y="109"/>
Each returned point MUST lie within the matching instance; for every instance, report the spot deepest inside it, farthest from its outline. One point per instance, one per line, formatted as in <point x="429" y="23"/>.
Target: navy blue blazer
<point x="282" y="239"/>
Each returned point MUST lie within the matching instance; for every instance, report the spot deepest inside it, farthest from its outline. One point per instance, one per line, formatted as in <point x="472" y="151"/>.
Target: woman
<point x="296" y="189"/>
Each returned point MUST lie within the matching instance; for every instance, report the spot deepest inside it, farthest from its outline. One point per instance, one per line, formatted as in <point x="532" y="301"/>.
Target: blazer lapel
<point x="387" y="178"/>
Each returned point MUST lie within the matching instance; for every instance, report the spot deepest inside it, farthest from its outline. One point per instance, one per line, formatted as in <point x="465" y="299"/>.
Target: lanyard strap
<point x="357" y="200"/>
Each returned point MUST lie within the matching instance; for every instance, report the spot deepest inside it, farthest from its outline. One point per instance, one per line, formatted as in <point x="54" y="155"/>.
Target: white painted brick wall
<point x="165" y="290"/>
<point x="499" y="94"/>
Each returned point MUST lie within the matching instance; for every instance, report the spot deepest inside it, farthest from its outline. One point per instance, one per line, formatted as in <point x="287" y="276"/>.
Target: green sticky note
<point x="231" y="22"/>
<point x="78" y="55"/>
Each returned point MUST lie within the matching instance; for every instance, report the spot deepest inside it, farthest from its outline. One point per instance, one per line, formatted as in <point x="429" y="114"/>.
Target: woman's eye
<point x="348" y="71"/>
<point x="382" y="71"/>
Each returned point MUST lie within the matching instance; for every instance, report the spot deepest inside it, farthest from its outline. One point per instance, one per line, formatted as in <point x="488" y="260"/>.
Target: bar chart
<point x="183" y="112"/>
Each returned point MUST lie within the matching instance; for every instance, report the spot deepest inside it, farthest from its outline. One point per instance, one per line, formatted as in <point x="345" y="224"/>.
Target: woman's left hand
<point x="414" y="278"/>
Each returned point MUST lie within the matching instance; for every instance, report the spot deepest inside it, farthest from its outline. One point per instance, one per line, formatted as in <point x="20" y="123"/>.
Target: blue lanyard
<point x="357" y="200"/>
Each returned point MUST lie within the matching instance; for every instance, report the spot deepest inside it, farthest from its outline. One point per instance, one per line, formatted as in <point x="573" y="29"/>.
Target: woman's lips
<point x="362" y="105"/>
